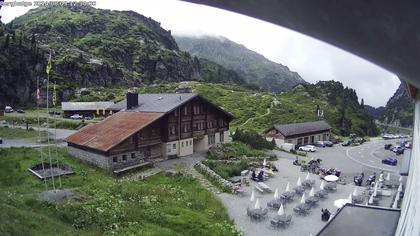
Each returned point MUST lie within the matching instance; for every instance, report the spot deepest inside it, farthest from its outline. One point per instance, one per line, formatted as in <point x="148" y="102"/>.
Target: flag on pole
<point x="38" y="97"/>
<point x="49" y="65"/>
<point x="54" y="98"/>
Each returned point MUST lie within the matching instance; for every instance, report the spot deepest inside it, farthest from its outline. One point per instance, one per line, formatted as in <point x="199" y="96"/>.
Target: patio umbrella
<point x="322" y="185"/>
<point x="395" y="204"/>
<point x="302" y="200"/>
<point x="356" y="191"/>
<point x="400" y="188"/>
<point x="350" y="198"/>
<point x="288" y="187"/>
<point x="307" y="176"/>
<point x="299" y="183"/>
<point x="276" y="194"/>
<point x="400" y="179"/>
<point x="312" y="192"/>
<point x="281" y="210"/>
<point x="264" y="162"/>
<point x="257" y="204"/>
<point x="252" y="195"/>
<point x="397" y="196"/>
<point x="375" y="190"/>
<point x="370" y="200"/>
<point x="388" y="176"/>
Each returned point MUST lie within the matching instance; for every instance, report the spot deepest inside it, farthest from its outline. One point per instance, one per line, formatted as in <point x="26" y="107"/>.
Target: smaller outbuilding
<point x="299" y="133"/>
<point x="87" y="109"/>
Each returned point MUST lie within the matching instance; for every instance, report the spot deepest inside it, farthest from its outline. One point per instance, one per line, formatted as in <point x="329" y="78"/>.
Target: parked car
<point x="336" y="140"/>
<point x="307" y="148"/>
<point x="390" y="161"/>
<point x="76" y="117"/>
<point x="408" y="145"/>
<point x="8" y="109"/>
<point x="328" y="143"/>
<point x="388" y="146"/>
<point x="54" y="113"/>
<point x="362" y="140"/>
<point x="319" y="144"/>
<point x="1" y="140"/>
<point x="20" y="111"/>
<point x="346" y="143"/>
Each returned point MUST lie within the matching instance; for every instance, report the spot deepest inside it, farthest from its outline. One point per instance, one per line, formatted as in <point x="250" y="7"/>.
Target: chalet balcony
<point x="199" y="133"/>
<point x="186" y="118"/>
<point x="186" y="135"/>
<point x="150" y="141"/>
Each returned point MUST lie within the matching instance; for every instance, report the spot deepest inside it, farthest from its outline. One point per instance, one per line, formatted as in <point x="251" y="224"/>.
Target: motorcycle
<point x="370" y="180"/>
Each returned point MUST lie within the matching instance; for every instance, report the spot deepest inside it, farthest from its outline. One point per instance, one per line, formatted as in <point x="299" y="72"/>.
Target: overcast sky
<point x="311" y="58"/>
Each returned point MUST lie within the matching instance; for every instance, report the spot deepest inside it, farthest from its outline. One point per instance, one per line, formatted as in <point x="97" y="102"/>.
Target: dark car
<point x="1" y="140"/>
<point x="319" y="144"/>
<point x="390" y="161"/>
<point x="388" y="146"/>
<point x="20" y="111"/>
<point x="328" y="143"/>
<point x="362" y="141"/>
<point x="346" y="143"/>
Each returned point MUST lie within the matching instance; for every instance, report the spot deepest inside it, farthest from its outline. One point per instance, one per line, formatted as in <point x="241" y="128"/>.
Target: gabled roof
<point x="302" y="128"/>
<point x="86" y="106"/>
<point x="163" y="102"/>
<point x="113" y="130"/>
<point x="157" y="102"/>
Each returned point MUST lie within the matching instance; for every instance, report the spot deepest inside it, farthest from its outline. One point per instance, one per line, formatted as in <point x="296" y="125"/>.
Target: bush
<point x="226" y="169"/>
<point x="253" y="139"/>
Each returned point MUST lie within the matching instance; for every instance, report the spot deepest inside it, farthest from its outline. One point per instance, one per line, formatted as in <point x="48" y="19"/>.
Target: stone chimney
<point x="132" y="100"/>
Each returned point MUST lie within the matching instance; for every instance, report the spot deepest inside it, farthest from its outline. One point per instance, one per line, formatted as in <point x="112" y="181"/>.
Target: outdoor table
<point x="275" y="203"/>
<point x="257" y="213"/>
<point x="308" y="183"/>
<point x="279" y="220"/>
<point x="287" y="195"/>
<point x="331" y="178"/>
<point x="312" y="201"/>
<point x="321" y="193"/>
<point x="299" y="189"/>
<point x="302" y="208"/>
<point x="357" y="199"/>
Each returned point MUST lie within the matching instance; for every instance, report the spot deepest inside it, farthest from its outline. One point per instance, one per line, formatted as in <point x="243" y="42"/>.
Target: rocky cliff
<point x="399" y="109"/>
<point x="254" y="67"/>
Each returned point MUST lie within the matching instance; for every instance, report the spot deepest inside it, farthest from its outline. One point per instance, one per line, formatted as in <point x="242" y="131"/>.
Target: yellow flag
<point x="49" y="65"/>
<point x="97" y="111"/>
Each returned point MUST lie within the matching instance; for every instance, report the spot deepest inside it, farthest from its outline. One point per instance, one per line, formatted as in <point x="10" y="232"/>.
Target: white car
<point x="308" y="148"/>
<point x="76" y="117"/>
<point x="8" y="109"/>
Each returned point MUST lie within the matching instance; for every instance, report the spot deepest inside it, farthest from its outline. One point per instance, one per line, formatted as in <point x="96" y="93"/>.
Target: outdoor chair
<point x="288" y="219"/>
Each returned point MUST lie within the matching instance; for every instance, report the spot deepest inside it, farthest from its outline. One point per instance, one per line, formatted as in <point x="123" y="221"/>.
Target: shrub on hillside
<point x="253" y="139"/>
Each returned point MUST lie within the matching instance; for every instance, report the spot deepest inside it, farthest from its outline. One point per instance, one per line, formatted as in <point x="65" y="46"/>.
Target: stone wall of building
<point x="90" y="157"/>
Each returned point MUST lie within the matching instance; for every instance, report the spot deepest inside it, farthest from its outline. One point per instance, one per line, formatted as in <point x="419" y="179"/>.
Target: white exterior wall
<point x="200" y="144"/>
<point x="227" y="137"/>
<point x="410" y="208"/>
<point x="186" y="147"/>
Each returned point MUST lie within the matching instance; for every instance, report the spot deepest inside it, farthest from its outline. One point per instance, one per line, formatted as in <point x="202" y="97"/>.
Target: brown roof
<point x="113" y="130"/>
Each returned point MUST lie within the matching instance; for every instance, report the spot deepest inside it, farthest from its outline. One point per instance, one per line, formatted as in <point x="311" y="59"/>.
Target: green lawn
<point x="17" y="133"/>
<point x="159" y="205"/>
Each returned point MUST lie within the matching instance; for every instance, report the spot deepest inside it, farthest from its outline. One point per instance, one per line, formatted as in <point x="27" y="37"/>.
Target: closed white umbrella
<point x="400" y="187"/>
<point x="356" y="191"/>
<point x="312" y="192"/>
<point x="397" y="196"/>
<point x="299" y="182"/>
<point x="400" y="179"/>
<point x="302" y="200"/>
<point x="252" y="196"/>
<point x="307" y="176"/>
<point x="264" y="162"/>
<point x="375" y="190"/>
<point x="322" y="185"/>
<point x="257" y="204"/>
<point x="350" y="198"/>
<point x="288" y="187"/>
<point x="370" y="200"/>
<point x="276" y="194"/>
<point x="281" y="210"/>
<point x="395" y="204"/>
<point x="388" y="177"/>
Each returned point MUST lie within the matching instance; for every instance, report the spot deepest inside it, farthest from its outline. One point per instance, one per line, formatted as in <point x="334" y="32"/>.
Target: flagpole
<point x="38" y="98"/>
<point x="48" y="133"/>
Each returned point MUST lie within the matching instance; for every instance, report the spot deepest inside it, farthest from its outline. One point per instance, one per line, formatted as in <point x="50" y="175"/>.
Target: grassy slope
<point x="10" y="133"/>
<point x="158" y="206"/>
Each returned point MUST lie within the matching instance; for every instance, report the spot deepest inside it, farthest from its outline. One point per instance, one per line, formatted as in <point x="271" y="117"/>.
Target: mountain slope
<point x="95" y="47"/>
<point x="376" y="113"/>
<point x="399" y="109"/>
<point x="254" y="67"/>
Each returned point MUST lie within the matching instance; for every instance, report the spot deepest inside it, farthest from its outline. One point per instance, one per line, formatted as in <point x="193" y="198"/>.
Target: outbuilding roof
<point x="302" y="128"/>
<point x="157" y="102"/>
<point x="85" y="106"/>
<point x="113" y="130"/>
